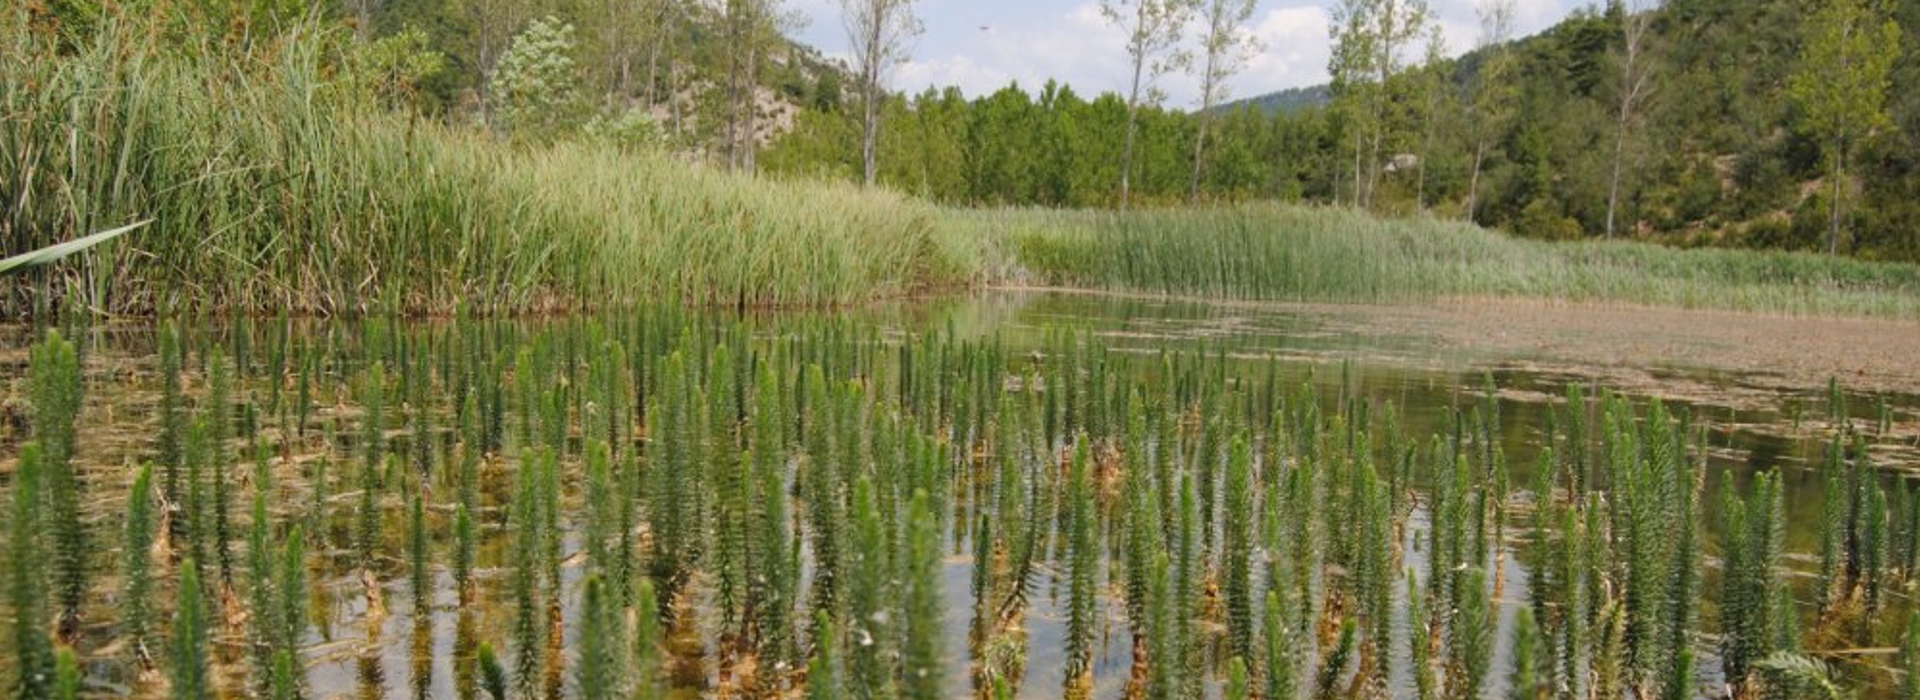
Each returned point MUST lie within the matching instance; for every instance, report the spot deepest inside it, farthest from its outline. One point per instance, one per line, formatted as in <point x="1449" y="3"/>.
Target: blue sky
<point x="981" y="45"/>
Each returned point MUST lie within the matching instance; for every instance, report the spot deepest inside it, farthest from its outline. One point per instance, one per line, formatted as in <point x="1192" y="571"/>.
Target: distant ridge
<point x="1285" y="101"/>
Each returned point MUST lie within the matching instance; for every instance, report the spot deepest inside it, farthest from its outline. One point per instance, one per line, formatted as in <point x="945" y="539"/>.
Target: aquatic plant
<point x="647" y="683"/>
<point x="1237" y="549"/>
<point x="419" y="558"/>
<point x="54" y="389"/>
<point x="1753" y="534"/>
<point x="1527" y="680"/>
<point x="870" y="590"/>
<point x="774" y="589"/>
<point x="1470" y="652"/>
<point x="188" y="661"/>
<point x="136" y="565"/>
<point x="823" y="669"/>
<point x="264" y="628"/>
<point x="1083" y="570"/>
<point x="170" y="444"/>
<point x="601" y="673"/>
<point x="923" y="658"/>
<point x="26" y="581"/>
<point x="493" y="677"/>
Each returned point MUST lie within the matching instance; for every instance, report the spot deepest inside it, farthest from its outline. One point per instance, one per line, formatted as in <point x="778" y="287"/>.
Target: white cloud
<point x="981" y="45"/>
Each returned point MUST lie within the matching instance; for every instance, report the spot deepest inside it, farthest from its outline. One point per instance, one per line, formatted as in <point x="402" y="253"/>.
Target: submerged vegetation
<point x="664" y="502"/>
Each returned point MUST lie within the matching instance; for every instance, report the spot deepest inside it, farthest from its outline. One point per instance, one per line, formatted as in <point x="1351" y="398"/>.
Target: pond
<point x="975" y="406"/>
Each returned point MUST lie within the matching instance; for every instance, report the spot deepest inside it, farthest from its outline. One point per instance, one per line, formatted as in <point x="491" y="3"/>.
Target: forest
<point x="1678" y="122"/>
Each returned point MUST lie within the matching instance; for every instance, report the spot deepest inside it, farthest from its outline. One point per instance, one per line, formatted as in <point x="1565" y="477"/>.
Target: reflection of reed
<point x="422" y="653"/>
<point x="371" y="675"/>
<point x="464" y="655"/>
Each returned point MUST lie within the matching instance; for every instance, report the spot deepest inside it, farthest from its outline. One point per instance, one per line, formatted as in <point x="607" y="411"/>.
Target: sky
<point x="981" y="45"/>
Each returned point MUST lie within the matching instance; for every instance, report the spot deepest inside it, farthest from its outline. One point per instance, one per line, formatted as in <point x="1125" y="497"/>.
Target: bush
<point x="535" y="86"/>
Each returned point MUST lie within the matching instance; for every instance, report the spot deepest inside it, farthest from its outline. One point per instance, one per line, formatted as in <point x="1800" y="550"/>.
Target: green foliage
<point x="1470" y="656"/>
<point x="1084" y="571"/>
<point x="54" y="388"/>
<point x="824" y="680"/>
<point x="1239" y="549"/>
<point x="136" y="553"/>
<point x="26" y="580"/>
<point x="66" y="674"/>
<point x="444" y="215"/>
<point x="1843" y="82"/>
<point x="1529" y="677"/>
<point x="1297" y="253"/>
<point x="493" y="676"/>
<point x="923" y="663"/>
<point x="601" y="671"/>
<point x="188" y="661"/>
<point x="534" y="87"/>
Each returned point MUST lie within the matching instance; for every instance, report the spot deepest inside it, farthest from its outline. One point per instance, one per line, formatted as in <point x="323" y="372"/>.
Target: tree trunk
<point x="1473" y="183"/>
<point x="1199" y="155"/>
<point x="1833" y="208"/>
<point x="1613" y="186"/>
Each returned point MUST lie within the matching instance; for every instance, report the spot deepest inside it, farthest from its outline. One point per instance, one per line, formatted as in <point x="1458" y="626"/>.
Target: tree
<point x="1225" y="47"/>
<point x="878" y="32"/>
<point x="1634" y="73"/>
<point x="1368" y="37"/>
<point x="535" y="87"/>
<point x="748" y="27"/>
<point x="1436" y="96"/>
<point x="1491" y="97"/>
<point x="494" y="23"/>
<point x="1846" y="71"/>
<point x="1153" y="31"/>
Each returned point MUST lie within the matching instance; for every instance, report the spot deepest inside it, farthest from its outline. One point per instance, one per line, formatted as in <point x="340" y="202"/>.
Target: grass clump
<point x="312" y="197"/>
<point x="1293" y="253"/>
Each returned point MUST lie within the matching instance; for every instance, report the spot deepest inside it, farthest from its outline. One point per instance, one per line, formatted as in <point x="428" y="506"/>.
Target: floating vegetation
<point x="661" y="504"/>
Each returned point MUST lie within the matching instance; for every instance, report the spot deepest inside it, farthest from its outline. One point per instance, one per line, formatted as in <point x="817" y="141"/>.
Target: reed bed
<point x="663" y="502"/>
<point x="1295" y="253"/>
<point x="275" y="180"/>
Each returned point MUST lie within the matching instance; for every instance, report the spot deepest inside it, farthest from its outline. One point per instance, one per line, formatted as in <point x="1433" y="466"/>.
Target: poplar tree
<point x="1225" y="48"/>
<point x="1154" y="29"/>
<point x="1841" y="88"/>
<point x="879" y="33"/>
